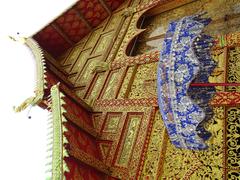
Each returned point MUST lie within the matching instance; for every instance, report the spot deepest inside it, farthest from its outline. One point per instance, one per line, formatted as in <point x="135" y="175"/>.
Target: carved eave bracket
<point x="101" y="67"/>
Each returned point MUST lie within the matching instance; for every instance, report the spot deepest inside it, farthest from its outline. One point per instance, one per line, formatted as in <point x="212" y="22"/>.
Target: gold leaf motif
<point x="131" y="135"/>
<point x="151" y="162"/>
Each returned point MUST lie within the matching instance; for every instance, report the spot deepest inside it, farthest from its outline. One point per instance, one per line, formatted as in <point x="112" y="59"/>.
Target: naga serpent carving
<point x="41" y="81"/>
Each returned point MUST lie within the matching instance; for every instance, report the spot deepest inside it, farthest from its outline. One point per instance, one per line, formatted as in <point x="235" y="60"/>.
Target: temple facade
<point x="105" y="54"/>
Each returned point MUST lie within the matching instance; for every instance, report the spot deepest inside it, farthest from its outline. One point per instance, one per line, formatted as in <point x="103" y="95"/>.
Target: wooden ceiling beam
<point x="106" y="7"/>
<point x="80" y="16"/>
<point x="62" y="33"/>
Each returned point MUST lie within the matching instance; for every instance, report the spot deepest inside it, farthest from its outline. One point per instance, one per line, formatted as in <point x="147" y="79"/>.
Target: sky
<point x="23" y="140"/>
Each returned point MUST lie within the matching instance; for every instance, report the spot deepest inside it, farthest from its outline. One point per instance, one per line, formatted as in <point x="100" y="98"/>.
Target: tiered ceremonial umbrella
<point x="185" y="58"/>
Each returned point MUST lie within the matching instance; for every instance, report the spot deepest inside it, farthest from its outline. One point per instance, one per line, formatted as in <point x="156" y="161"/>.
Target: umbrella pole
<point x="214" y="84"/>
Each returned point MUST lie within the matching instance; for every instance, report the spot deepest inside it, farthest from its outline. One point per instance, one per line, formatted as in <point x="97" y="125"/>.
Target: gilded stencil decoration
<point x="112" y="123"/>
<point x="112" y="85"/>
<point x="233" y="174"/>
<point x="80" y="92"/>
<point x="93" y="38"/>
<point x="73" y="55"/>
<point x="150" y="169"/>
<point x="87" y="71"/>
<point x="131" y="31"/>
<point x="97" y="122"/>
<point x="103" y="42"/>
<point x="218" y="75"/>
<point x="145" y="74"/>
<point x="81" y="60"/>
<point x="131" y="134"/>
<point x="234" y="68"/>
<point x="125" y="83"/>
<point x="115" y="48"/>
<point x="114" y="21"/>
<point x="96" y="87"/>
<point x="179" y="164"/>
<point x="233" y="138"/>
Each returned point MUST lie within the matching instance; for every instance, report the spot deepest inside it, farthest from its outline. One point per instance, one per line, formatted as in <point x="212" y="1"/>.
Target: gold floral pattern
<point x="134" y="122"/>
<point x="234" y="68"/>
<point x="139" y="88"/>
<point x="125" y="83"/>
<point x="233" y="138"/>
<point x="186" y="164"/>
<point x="152" y="160"/>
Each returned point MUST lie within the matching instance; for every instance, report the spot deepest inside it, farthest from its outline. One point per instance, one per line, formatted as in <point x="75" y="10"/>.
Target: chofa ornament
<point x="185" y="58"/>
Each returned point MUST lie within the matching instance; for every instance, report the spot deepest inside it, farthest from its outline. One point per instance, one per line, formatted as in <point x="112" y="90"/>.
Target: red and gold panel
<point x="91" y="42"/>
<point x="52" y="41"/>
<point x="103" y="43"/>
<point x="73" y="55"/>
<point x="80" y="171"/>
<point x="97" y="124"/>
<point x="233" y="139"/>
<point x="87" y="72"/>
<point x="93" y="11"/>
<point x="104" y="147"/>
<point x="151" y="168"/>
<point x="72" y="25"/>
<point x="78" y="111"/>
<point x="144" y="86"/>
<point x="114" y="4"/>
<point x="111" y="123"/>
<point x="95" y="87"/>
<point x="125" y="85"/>
<point x="80" y="60"/>
<point x="179" y="164"/>
<point x="129" y="139"/>
<point x="112" y="84"/>
<point x="79" y="139"/>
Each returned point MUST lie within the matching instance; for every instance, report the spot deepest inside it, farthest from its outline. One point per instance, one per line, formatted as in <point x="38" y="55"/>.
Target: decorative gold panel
<point x="63" y="57"/>
<point x="97" y="121"/>
<point x="233" y="174"/>
<point x="81" y="61"/>
<point x="142" y="86"/>
<point x="114" y="21"/>
<point x="96" y="86"/>
<point x="115" y="50"/>
<point x="218" y="75"/>
<point x="112" y="85"/>
<point x="234" y="68"/>
<point x="130" y="136"/>
<point x="93" y="38"/>
<point x="103" y="42"/>
<point x="186" y="164"/>
<point x="80" y="92"/>
<point x="112" y="122"/>
<point x="152" y="160"/>
<point x="125" y="83"/>
<point x="74" y="54"/>
<point x="233" y="138"/>
<point x="72" y="78"/>
<point x="67" y="68"/>
<point x="87" y="72"/>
